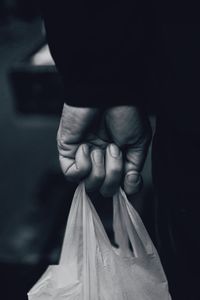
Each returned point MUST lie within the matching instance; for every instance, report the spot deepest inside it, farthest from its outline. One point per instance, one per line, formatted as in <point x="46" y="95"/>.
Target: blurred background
<point x="34" y="196"/>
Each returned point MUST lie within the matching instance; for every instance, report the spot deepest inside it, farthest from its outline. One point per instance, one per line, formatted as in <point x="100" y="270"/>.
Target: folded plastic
<point x="90" y="268"/>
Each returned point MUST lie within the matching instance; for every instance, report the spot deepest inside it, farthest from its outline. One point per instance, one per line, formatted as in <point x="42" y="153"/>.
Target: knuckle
<point x="61" y="143"/>
<point x="62" y="153"/>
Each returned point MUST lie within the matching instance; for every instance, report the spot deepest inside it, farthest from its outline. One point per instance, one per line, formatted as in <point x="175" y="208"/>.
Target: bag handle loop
<point x="128" y="225"/>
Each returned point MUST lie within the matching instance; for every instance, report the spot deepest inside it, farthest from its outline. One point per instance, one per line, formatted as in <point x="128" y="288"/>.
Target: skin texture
<point x="105" y="148"/>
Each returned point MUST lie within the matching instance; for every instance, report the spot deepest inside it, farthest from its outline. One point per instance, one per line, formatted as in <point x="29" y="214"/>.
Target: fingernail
<point x="98" y="157"/>
<point x="132" y="178"/>
<point x="85" y="149"/>
<point x="114" y="150"/>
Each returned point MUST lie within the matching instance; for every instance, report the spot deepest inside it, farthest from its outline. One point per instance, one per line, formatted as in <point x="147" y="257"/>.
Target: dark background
<point x="34" y="196"/>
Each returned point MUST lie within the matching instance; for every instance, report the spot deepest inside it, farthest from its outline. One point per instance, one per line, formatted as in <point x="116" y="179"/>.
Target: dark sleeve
<point x="97" y="47"/>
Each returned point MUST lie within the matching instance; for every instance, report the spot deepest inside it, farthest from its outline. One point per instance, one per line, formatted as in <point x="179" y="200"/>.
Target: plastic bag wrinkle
<point x="90" y="268"/>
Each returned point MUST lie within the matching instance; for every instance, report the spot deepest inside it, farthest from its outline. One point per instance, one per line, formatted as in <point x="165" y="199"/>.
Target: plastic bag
<point x="90" y="268"/>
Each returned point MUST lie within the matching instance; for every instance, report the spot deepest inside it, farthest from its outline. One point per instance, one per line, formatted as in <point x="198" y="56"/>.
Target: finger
<point x="130" y="129"/>
<point x="97" y="174"/>
<point x="75" y="121"/>
<point x="114" y="168"/>
<point x="132" y="183"/>
<point x="78" y="168"/>
<point x="135" y="158"/>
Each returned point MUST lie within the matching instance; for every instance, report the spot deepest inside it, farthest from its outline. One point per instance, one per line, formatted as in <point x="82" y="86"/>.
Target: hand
<point x="105" y="148"/>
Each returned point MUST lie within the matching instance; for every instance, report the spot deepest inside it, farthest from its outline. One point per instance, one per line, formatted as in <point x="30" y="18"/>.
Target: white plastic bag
<point x="91" y="269"/>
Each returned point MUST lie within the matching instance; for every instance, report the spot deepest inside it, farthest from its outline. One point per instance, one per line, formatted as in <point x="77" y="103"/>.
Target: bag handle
<point x="84" y="227"/>
<point x="73" y="234"/>
<point x="84" y="232"/>
<point x="128" y="225"/>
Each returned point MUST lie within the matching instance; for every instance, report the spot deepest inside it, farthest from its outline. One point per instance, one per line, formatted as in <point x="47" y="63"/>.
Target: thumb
<point x="134" y="162"/>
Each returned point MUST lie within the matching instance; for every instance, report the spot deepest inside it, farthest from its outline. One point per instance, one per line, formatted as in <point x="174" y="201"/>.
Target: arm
<point x="102" y="137"/>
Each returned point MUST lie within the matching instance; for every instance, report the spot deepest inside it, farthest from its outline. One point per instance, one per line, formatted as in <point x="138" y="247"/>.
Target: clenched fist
<point x="105" y="148"/>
